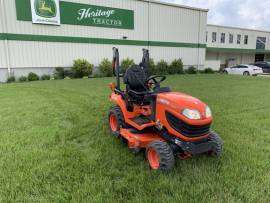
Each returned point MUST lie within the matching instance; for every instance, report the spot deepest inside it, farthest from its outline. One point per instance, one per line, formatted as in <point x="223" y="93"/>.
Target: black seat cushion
<point x="135" y="78"/>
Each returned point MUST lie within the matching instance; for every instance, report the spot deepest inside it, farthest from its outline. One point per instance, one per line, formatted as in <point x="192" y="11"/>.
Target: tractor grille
<point x="186" y="129"/>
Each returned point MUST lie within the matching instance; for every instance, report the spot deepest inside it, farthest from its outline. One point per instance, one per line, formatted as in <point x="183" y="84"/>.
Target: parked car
<point x="243" y="69"/>
<point x="265" y="65"/>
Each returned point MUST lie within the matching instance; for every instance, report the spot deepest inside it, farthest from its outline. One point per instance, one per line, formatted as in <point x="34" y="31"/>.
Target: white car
<point x="243" y="69"/>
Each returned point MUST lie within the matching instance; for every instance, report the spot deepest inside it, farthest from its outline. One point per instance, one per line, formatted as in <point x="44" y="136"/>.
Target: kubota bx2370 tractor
<point x="165" y="124"/>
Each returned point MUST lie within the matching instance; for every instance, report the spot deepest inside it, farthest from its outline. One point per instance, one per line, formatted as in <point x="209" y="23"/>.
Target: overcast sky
<point x="240" y="13"/>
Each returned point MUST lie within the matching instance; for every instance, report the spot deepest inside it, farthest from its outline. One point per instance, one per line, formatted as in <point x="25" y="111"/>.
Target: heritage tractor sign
<point x="57" y="12"/>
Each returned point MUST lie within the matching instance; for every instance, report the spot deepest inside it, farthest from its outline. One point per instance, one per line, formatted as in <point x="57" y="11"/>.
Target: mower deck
<point x="138" y="139"/>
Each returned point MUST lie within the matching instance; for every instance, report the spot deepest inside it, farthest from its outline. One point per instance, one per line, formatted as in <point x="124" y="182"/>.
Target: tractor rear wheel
<point x="116" y="120"/>
<point x="160" y="156"/>
<point x="217" y="145"/>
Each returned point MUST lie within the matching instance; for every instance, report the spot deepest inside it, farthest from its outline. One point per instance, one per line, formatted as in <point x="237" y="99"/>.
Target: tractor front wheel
<point x="160" y="156"/>
<point x="217" y="145"/>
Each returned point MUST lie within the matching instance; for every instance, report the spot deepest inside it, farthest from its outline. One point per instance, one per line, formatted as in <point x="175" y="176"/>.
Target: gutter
<point x="4" y="27"/>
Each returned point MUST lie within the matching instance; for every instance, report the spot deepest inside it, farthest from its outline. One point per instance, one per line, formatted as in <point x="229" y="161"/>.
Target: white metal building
<point x="228" y="46"/>
<point x="90" y="28"/>
<point x="169" y="31"/>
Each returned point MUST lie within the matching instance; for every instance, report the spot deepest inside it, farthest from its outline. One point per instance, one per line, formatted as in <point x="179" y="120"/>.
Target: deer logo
<point x="46" y="8"/>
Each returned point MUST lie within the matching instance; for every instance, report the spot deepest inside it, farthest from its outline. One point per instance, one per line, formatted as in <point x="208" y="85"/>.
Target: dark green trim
<point x="23" y="10"/>
<point x="3" y="36"/>
<point x="252" y="51"/>
<point x="175" y="44"/>
<point x="46" y="38"/>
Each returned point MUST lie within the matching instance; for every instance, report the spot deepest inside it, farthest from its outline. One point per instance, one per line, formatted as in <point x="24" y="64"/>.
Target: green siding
<point x="47" y="38"/>
<point x="213" y="49"/>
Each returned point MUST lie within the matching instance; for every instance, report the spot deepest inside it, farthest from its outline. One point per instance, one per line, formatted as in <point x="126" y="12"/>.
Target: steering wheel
<point x="154" y="79"/>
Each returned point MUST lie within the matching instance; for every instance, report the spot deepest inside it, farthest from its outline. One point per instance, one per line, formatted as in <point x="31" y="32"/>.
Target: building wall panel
<point x="169" y="23"/>
<point x="3" y="62"/>
<point x="43" y="54"/>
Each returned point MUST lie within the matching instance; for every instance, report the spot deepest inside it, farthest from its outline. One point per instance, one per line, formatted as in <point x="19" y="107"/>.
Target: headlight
<point x="208" y="112"/>
<point x="191" y="114"/>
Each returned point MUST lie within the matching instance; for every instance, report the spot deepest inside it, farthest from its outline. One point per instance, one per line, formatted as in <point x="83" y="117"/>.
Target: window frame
<point x="231" y="36"/>
<point x="261" y="45"/>
<point x="222" y="38"/>
<point x="246" y="39"/>
<point x="214" y="37"/>
<point x="239" y="39"/>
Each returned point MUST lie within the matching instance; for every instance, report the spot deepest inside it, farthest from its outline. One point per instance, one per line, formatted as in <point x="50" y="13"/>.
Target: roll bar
<point x="116" y="65"/>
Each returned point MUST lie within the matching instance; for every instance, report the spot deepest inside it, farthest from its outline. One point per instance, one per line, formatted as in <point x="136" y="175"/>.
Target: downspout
<point x="199" y="35"/>
<point x="149" y="4"/>
<point x="6" y="45"/>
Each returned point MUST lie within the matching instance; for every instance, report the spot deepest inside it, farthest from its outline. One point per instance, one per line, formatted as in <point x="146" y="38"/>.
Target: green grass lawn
<point x="56" y="147"/>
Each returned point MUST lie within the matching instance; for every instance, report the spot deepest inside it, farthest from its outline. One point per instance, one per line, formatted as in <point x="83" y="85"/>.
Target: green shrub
<point x="59" y="73"/>
<point x="176" y="67"/>
<point x="191" y="70"/>
<point x="45" y="77"/>
<point x="161" y="68"/>
<point x="209" y="71"/>
<point x="151" y="68"/>
<point x="22" y="79"/>
<point x="82" y="68"/>
<point x="11" y="79"/>
<point x="33" y="77"/>
<point x="126" y="63"/>
<point x="97" y="75"/>
<point x="105" y="68"/>
<point x="68" y="73"/>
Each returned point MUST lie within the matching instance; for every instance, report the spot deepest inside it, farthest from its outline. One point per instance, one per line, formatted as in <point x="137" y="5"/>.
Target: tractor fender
<point x="118" y="100"/>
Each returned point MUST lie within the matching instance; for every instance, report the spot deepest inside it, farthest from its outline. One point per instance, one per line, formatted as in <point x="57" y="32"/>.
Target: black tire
<point x="117" y="112"/>
<point x="165" y="154"/>
<point x="225" y="72"/>
<point x="246" y="73"/>
<point x="217" y="145"/>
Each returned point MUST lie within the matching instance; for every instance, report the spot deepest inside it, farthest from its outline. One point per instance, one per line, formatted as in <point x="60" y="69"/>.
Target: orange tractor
<point x="165" y="124"/>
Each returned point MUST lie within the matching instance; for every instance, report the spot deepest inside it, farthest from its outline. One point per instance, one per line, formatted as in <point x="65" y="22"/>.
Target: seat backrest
<point x="135" y="77"/>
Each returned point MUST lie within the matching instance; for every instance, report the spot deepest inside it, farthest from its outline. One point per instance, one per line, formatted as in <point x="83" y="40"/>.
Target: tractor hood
<point x="177" y="102"/>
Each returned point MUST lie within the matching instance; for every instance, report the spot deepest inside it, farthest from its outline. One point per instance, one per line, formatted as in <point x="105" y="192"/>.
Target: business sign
<point x="45" y="12"/>
<point x="51" y="11"/>
<point x="91" y="15"/>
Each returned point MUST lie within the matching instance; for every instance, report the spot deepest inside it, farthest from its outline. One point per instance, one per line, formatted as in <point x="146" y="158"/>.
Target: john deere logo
<point x="46" y="8"/>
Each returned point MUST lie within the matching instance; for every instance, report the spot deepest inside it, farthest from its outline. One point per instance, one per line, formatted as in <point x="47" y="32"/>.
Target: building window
<point x="239" y="39"/>
<point x="246" y="39"/>
<point x="222" y="38"/>
<point x="214" y="36"/>
<point x="261" y="41"/>
<point x="206" y="36"/>
<point x="231" y="39"/>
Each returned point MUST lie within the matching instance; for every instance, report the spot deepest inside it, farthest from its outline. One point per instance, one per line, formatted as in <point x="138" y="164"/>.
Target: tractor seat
<point x="135" y="79"/>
